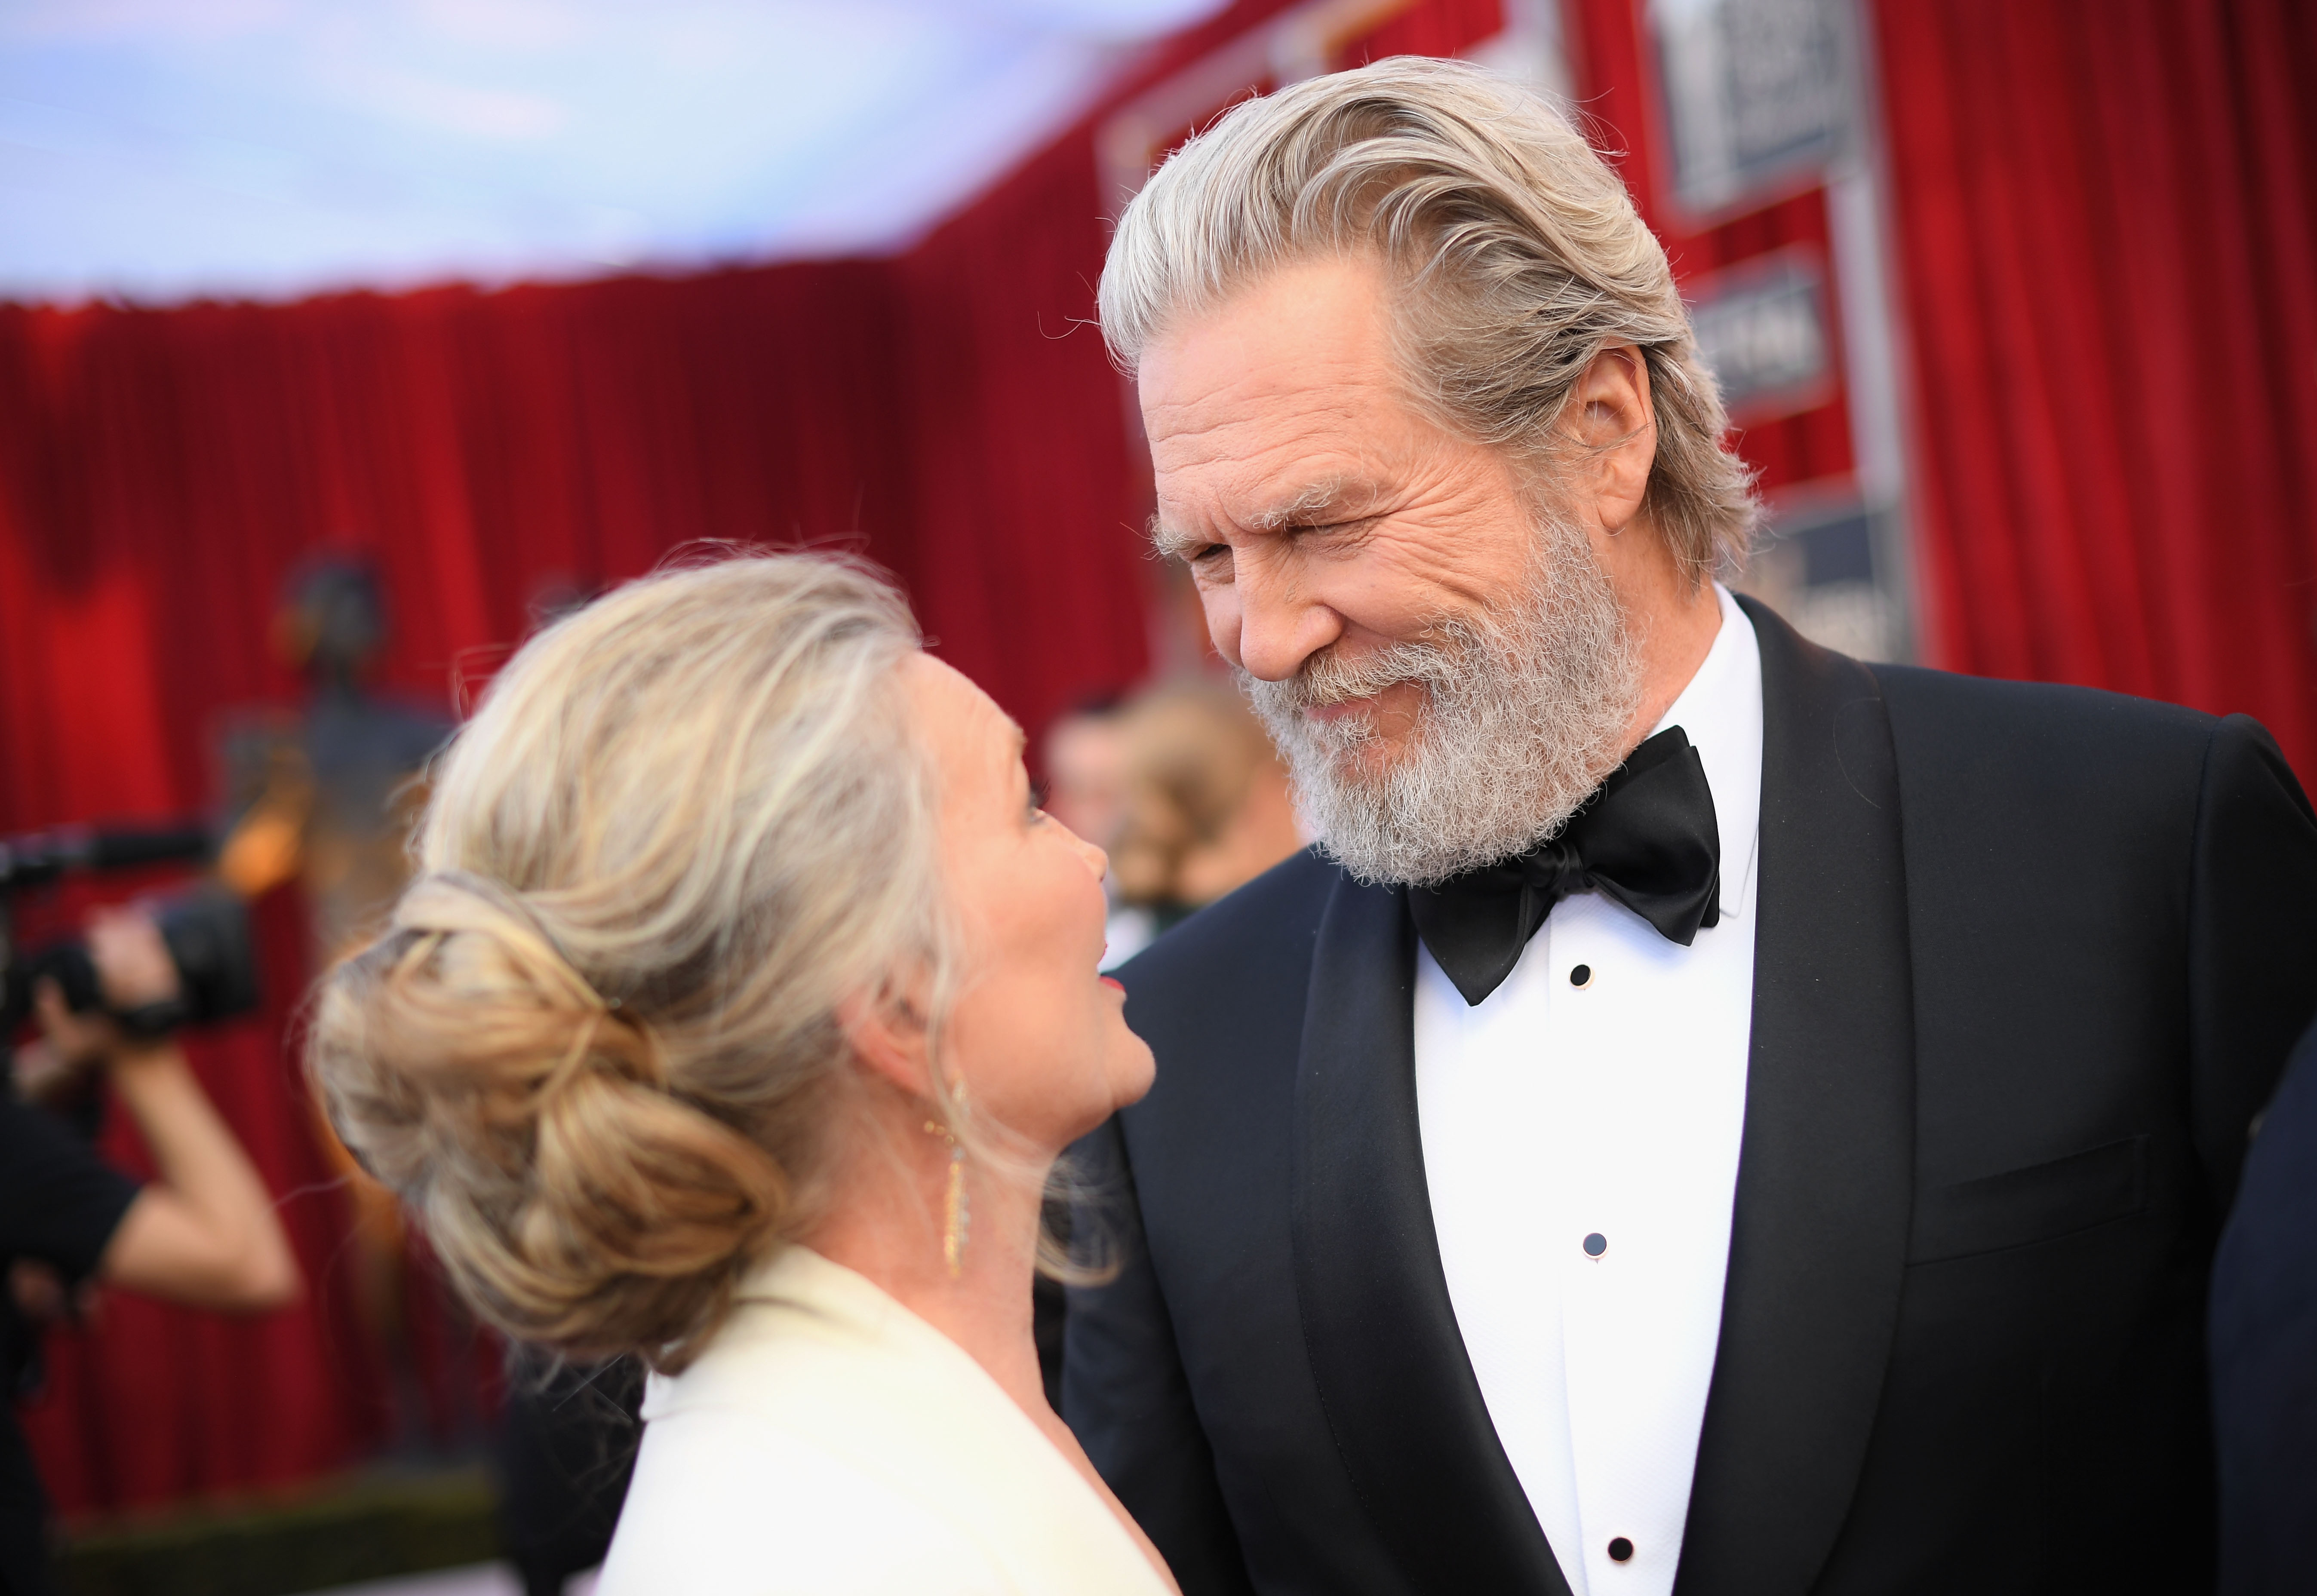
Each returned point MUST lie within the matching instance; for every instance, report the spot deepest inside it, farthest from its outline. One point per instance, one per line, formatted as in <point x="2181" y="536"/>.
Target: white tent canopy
<point x="160" y="150"/>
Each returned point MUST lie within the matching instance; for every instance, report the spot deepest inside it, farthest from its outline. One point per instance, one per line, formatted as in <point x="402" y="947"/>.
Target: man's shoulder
<point x="1963" y="733"/>
<point x="2032" y="773"/>
<point x="1979" y="737"/>
<point x="1951" y="700"/>
<point x="1258" y="939"/>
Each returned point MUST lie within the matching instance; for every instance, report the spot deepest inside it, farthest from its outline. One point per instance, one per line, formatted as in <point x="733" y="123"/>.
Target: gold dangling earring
<point x="956" y="1218"/>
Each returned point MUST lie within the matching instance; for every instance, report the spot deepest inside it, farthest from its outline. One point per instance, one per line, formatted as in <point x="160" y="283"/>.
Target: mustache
<point x="1327" y="678"/>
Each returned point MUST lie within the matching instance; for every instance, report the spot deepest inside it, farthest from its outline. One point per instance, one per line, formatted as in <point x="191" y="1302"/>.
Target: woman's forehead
<point x="965" y="723"/>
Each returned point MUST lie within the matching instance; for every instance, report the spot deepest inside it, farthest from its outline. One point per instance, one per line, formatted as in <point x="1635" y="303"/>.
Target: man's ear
<point x="886" y="1029"/>
<point x="1612" y="419"/>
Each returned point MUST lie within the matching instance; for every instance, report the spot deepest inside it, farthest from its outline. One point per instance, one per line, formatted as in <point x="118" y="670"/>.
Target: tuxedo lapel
<point x="1401" y="1402"/>
<point x="1825" y="1171"/>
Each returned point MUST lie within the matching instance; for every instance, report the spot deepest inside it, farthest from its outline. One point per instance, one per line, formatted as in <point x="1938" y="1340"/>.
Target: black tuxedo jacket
<point x="2029" y="960"/>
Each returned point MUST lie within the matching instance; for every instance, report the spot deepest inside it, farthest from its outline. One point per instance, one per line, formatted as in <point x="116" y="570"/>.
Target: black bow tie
<point x="1646" y="837"/>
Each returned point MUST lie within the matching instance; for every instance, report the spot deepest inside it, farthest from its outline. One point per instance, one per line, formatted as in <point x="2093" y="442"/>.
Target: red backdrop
<point x="2107" y="236"/>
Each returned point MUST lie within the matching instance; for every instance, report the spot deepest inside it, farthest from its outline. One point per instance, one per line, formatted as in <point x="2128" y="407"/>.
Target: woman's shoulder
<point x="829" y="1439"/>
<point x="725" y="1504"/>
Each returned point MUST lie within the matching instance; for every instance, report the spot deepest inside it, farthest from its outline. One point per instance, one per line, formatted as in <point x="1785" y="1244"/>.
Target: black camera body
<point x="205" y="928"/>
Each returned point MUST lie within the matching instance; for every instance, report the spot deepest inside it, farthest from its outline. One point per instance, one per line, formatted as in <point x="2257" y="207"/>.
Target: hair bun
<point x="576" y="1201"/>
<point x="448" y="903"/>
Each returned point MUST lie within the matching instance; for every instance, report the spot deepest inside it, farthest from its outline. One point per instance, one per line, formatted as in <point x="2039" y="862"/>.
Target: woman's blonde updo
<point x="598" y="1050"/>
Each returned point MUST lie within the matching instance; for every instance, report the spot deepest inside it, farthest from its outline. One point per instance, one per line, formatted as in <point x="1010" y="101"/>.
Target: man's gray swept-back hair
<point x="1521" y="253"/>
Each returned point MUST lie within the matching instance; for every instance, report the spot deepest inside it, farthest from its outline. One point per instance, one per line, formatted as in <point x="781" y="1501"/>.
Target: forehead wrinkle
<point x="1272" y="405"/>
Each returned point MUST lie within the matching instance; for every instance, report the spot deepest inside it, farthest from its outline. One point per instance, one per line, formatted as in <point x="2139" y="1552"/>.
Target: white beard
<point x="1525" y="711"/>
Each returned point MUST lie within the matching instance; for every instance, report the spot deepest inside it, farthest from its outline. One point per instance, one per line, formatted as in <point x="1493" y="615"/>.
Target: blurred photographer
<point x="202" y="1232"/>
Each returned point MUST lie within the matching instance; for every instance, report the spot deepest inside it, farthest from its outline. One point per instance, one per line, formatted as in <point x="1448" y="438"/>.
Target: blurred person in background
<point x="742" y="1006"/>
<point x="1085" y="757"/>
<point x="202" y="1232"/>
<point x="1205" y="802"/>
<point x="2263" y="1335"/>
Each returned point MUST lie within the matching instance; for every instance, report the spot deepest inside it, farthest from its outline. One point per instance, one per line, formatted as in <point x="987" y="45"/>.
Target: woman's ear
<point x="887" y="1032"/>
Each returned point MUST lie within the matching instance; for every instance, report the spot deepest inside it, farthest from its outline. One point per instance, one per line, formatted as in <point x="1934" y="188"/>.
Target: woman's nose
<point x="1096" y="859"/>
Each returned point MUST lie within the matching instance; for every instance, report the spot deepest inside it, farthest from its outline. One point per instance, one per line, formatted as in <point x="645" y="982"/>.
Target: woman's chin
<point x="1134" y="1075"/>
<point x="1127" y="1076"/>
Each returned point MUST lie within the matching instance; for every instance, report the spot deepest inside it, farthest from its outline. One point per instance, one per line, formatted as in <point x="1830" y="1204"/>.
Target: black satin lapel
<point x="1825" y="1171"/>
<point x="1401" y="1402"/>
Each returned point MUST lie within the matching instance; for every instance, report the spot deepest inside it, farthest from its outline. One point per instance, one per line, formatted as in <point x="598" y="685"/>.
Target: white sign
<point x="1762" y="326"/>
<point x="1757" y="93"/>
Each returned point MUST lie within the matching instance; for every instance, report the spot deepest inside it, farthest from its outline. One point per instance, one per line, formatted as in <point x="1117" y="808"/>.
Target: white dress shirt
<point x="829" y="1442"/>
<point x="1593" y="1103"/>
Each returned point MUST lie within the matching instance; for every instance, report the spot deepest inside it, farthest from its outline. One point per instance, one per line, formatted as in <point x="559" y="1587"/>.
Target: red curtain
<point x="2107" y="219"/>
<point x="1024" y="516"/>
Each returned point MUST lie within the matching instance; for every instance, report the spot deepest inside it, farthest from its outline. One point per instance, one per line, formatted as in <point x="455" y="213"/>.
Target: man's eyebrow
<point x="1331" y="498"/>
<point x="1327" y="498"/>
<point x="1173" y="542"/>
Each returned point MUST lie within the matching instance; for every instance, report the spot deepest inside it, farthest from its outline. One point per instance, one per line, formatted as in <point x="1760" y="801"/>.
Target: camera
<point x="205" y="929"/>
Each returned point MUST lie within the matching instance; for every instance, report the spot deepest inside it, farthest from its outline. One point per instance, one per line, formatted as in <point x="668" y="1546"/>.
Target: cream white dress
<point x="829" y="1442"/>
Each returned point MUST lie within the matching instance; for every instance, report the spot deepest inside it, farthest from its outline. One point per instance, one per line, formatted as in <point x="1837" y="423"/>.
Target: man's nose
<point x="1280" y="626"/>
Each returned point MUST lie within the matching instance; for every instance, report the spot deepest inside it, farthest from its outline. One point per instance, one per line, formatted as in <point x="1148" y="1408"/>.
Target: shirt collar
<point x="1720" y="713"/>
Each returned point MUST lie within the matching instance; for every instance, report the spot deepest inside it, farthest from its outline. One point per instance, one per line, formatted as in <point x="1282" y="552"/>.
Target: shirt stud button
<point x="1596" y="1244"/>
<point x="1582" y="976"/>
<point x="1620" y="1549"/>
